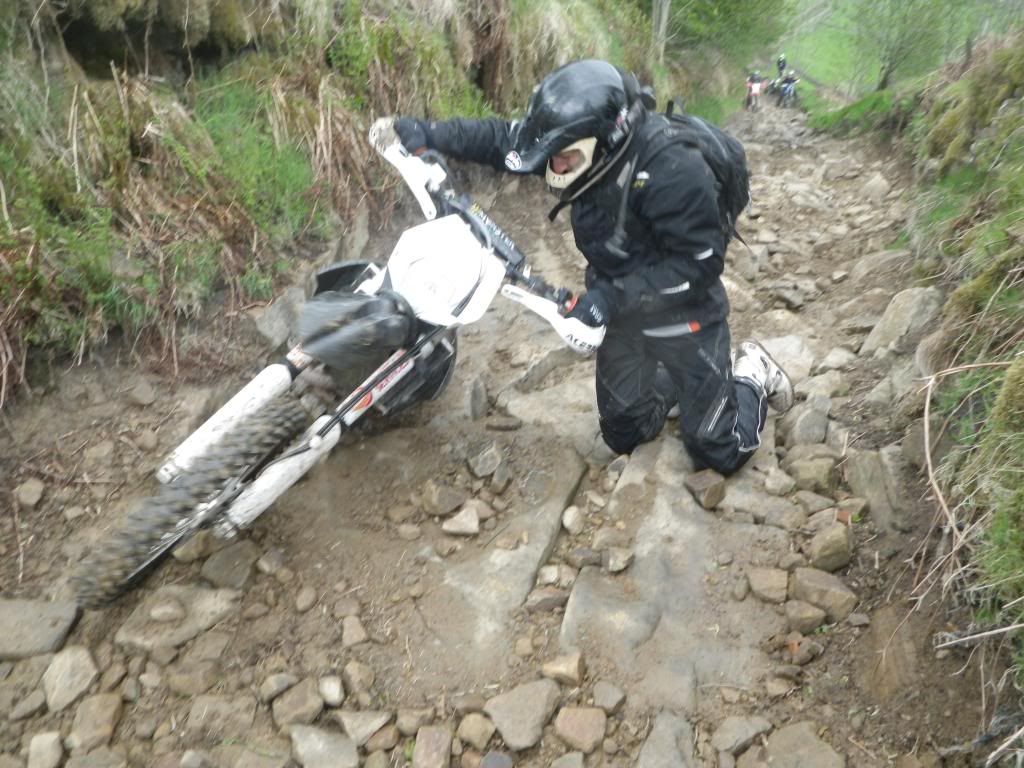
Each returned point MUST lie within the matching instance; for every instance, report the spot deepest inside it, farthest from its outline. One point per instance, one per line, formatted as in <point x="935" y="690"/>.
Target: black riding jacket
<point x="674" y="245"/>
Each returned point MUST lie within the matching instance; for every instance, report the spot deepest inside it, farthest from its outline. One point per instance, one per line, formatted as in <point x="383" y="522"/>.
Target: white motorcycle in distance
<point x="390" y="330"/>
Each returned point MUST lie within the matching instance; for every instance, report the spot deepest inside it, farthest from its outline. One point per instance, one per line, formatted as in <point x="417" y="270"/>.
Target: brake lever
<point x="421" y="177"/>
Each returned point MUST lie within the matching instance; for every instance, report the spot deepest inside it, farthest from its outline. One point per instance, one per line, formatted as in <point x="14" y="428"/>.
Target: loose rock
<point x="271" y="562"/>
<point x="567" y="669"/>
<point x="191" y="679"/>
<point x="204" y="608"/>
<point x="571" y="760"/>
<point x="798" y="746"/>
<point x="735" y="734"/>
<point x="521" y="714"/>
<point x="29" y="493"/>
<point x="34" y="627"/>
<point x="433" y="747"/>
<point x="300" y="704"/>
<point x="573" y="520"/>
<point x="231" y="566"/>
<point x="358" y="677"/>
<point x="31" y="705"/>
<point x="69" y="676"/>
<point x="803" y="617"/>
<point x="104" y="757"/>
<point x="440" y="499"/>
<point x="275" y="685"/>
<point x="831" y="548"/>
<point x="496" y="760"/>
<point x="486" y="461"/>
<point x="823" y="590"/>
<point x="546" y="599"/>
<point x="169" y="610"/>
<point x="476" y="730"/>
<point x="360" y="726"/>
<point x="352" y="632"/>
<point x="582" y="728"/>
<point x="95" y="721"/>
<point x="465" y="523"/>
<point x="305" y="600"/>
<point x="707" y="487"/>
<point x="616" y="559"/>
<point x="332" y="690"/>
<point x="608" y="697"/>
<point x="778" y="483"/>
<point x="411" y="720"/>
<point x="768" y="584"/>
<point x="45" y="750"/>
<point x="317" y="748"/>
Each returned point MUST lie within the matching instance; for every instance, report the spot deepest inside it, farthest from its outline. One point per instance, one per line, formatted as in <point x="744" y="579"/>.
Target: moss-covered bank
<point x="154" y="153"/>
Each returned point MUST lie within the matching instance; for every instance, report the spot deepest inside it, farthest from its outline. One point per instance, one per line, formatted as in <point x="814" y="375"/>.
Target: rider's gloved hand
<point x="413" y="134"/>
<point x="593" y="308"/>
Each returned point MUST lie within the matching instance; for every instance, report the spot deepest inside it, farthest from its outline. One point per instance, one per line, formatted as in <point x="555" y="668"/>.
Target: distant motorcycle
<point x="787" y="94"/>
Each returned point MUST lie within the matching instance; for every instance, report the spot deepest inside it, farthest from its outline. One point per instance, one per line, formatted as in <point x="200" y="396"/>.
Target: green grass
<point x="973" y="139"/>
<point x="865" y="114"/>
<point x="715" y="108"/>
<point x="1002" y="557"/>
<point x="968" y="397"/>
<point x="273" y="183"/>
<point x="827" y="53"/>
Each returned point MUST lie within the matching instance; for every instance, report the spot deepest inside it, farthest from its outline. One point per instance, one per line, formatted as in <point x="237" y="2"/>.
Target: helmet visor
<point x="531" y="151"/>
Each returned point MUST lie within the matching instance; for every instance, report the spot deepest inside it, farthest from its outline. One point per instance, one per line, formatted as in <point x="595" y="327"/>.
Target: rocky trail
<point x="480" y="584"/>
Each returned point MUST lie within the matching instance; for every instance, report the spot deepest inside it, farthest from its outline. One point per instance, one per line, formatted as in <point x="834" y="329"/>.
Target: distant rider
<point x="781" y="63"/>
<point x="788" y="85"/>
<point x="754" y="85"/>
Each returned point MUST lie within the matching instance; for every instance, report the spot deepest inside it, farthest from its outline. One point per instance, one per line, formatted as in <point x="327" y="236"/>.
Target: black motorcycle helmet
<point x="590" y="103"/>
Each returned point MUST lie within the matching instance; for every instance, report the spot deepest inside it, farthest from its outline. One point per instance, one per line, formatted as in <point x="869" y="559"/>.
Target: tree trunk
<point x="968" y="52"/>
<point x="659" y="28"/>
<point x="884" y="76"/>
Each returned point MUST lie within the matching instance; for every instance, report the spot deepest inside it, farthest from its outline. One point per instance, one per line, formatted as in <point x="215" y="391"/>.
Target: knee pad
<point x="620" y="434"/>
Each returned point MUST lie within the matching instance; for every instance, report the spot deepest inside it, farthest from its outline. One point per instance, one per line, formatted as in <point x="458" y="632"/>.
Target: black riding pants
<point x="720" y="418"/>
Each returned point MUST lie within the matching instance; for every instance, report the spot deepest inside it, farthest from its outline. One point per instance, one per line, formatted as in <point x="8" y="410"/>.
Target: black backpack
<point x="723" y="154"/>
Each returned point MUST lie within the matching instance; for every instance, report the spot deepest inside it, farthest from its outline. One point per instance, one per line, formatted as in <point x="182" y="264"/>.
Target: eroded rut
<point x="481" y="584"/>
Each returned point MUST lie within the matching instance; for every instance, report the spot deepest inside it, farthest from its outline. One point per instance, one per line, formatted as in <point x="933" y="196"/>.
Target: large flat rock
<point x="670" y="621"/>
<point x="895" y="662"/>
<point x="31" y="627"/>
<point x="475" y="602"/>
<point x="568" y="408"/>
<point x="669" y="745"/>
<point x="203" y="609"/>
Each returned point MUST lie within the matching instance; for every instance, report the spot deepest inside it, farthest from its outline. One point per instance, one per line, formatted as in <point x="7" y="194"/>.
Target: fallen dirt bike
<point x="394" y="325"/>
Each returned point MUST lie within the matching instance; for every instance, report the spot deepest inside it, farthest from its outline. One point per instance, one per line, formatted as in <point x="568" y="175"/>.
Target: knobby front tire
<point x="159" y="523"/>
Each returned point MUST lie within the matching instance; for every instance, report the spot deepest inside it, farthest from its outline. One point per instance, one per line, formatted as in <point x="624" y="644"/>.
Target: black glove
<point x="593" y="308"/>
<point x="412" y="133"/>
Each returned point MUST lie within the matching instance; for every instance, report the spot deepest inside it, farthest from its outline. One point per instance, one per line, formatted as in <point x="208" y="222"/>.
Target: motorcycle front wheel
<point x="167" y="519"/>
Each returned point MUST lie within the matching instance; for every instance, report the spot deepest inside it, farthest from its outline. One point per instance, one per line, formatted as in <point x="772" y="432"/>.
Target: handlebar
<point x="425" y="175"/>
